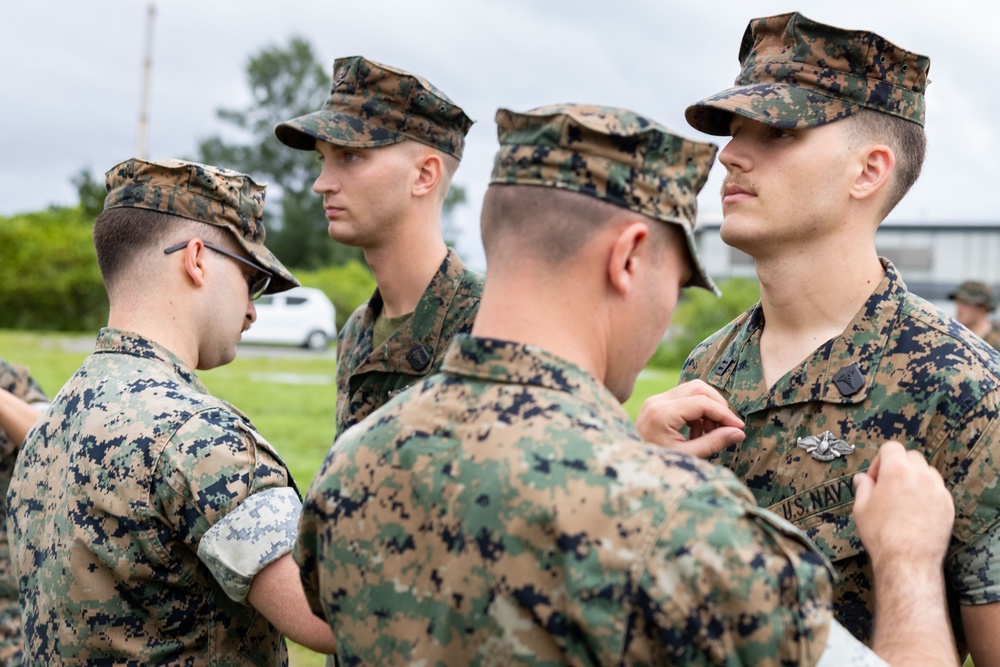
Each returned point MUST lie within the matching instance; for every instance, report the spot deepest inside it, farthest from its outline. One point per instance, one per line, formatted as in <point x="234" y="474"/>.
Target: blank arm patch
<point x="258" y="532"/>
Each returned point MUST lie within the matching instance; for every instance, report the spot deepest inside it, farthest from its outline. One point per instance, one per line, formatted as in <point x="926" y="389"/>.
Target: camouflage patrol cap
<point x="374" y="105"/>
<point x="612" y="154"/>
<point x="798" y="73"/>
<point x="973" y="291"/>
<point x="200" y="192"/>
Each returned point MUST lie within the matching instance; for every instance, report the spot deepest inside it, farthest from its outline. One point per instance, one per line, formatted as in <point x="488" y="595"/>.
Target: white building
<point x="933" y="257"/>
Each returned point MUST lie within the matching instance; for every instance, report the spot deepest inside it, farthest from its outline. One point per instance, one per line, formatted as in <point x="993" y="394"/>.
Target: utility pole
<point x="142" y="138"/>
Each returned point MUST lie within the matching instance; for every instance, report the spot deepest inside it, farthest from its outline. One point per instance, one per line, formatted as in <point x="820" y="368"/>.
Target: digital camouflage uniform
<point x="142" y="507"/>
<point x="506" y="511"/>
<point x="17" y="381"/>
<point x="373" y="105"/>
<point x="901" y="370"/>
<point x="367" y="378"/>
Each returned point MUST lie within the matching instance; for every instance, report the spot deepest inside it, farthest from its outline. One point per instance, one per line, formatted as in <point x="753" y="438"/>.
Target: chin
<point x="340" y="234"/>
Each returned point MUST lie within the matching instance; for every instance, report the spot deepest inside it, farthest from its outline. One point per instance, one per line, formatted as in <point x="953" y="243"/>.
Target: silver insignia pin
<point x="826" y="447"/>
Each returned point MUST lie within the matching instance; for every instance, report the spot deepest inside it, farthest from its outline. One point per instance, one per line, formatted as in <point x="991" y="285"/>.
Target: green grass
<point x="290" y="398"/>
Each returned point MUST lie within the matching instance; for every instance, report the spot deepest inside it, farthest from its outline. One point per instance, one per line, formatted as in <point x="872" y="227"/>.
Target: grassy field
<point x="290" y="397"/>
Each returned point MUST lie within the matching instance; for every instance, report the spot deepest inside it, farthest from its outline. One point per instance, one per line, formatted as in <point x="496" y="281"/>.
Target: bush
<point x="49" y="277"/>
<point x="700" y="314"/>
<point x="348" y="286"/>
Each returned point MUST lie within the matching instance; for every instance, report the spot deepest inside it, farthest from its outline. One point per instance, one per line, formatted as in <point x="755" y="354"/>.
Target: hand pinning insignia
<point x="826" y="447"/>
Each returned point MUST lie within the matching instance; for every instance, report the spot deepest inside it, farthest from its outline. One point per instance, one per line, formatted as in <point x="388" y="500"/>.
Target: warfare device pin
<point x="826" y="447"/>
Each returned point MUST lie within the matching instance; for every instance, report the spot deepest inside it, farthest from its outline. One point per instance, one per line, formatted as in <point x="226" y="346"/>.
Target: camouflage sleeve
<point x="727" y="578"/>
<point x="974" y="569"/>
<point x="307" y="545"/>
<point x="844" y="650"/>
<point x="255" y="534"/>
<point x="19" y="382"/>
<point x="211" y="466"/>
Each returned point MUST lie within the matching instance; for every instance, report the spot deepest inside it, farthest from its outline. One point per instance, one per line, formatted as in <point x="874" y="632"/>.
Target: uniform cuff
<point x="843" y="650"/>
<point x="258" y="532"/>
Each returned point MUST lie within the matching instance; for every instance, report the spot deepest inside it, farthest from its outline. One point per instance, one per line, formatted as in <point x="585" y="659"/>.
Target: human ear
<point x="431" y="171"/>
<point x="625" y="258"/>
<point x="194" y="260"/>
<point x="879" y="163"/>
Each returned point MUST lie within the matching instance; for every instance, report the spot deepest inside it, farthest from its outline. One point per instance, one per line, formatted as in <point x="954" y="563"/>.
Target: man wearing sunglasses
<point x="150" y="523"/>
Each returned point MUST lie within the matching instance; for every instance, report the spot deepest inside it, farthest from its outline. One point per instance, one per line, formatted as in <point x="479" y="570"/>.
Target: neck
<point x="810" y="297"/>
<point x="162" y="326"/>
<point x="404" y="266"/>
<point x="535" y="310"/>
<point x="982" y="328"/>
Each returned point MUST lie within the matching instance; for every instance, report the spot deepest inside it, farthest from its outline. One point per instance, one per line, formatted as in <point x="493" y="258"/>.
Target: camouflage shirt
<point x="900" y="371"/>
<point x="16" y="380"/>
<point x="506" y="511"/>
<point x="140" y="509"/>
<point x="367" y="378"/>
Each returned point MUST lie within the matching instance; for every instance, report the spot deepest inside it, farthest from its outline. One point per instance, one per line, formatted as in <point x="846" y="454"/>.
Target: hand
<point x="902" y="509"/>
<point x="696" y="405"/>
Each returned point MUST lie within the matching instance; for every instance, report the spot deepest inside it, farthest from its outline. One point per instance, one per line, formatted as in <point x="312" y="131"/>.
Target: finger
<point x="695" y="388"/>
<point x="695" y="408"/>
<point x="863" y="485"/>
<point x="711" y="443"/>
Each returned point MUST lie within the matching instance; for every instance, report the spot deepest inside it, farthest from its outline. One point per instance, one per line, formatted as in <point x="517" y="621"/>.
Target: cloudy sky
<point x="71" y="74"/>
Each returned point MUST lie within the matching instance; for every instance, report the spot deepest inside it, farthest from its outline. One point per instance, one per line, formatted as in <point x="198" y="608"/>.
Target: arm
<point x="16" y="416"/>
<point x="904" y="516"/>
<point x="697" y="406"/>
<point x="276" y="592"/>
<point x="982" y="631"/>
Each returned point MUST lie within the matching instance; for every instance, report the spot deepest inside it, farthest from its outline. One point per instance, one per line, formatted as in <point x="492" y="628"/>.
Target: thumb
<point x="863" y="485"/>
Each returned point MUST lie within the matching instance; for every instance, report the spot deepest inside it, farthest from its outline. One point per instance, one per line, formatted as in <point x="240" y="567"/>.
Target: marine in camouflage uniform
<point x="142" y="507"/>
<point x="506" y="511"/>
<point x="372" y="106"/>
<point x="974" y="301"/>
<point x="900" y="370"/>
<point x="16" y="380"/>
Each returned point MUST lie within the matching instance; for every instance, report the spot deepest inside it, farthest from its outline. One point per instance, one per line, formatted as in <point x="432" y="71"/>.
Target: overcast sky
<point x="71" y="76"/>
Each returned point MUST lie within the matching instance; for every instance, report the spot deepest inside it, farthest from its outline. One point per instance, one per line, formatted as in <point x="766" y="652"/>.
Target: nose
<point x="735" y="156"/>
<point x="327" y="180"/>
<point x="251" y="312"/>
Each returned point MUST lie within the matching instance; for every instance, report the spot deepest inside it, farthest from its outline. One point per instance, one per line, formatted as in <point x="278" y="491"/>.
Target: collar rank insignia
<point x="826" y="447"/>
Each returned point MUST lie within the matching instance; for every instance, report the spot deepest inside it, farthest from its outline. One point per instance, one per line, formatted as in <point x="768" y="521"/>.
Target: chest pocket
<point x="825" y="514"/>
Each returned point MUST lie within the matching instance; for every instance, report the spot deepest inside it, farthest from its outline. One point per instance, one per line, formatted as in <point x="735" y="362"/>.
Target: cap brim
<point x="281" y="278"/>
<point x="773" y="104"/>
<point x="336" y="128"/>
<point x="699" y="277"/>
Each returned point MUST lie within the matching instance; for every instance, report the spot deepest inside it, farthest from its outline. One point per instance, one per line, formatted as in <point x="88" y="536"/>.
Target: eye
<point x="350" y="156"/>
<point x="779" y="133"/>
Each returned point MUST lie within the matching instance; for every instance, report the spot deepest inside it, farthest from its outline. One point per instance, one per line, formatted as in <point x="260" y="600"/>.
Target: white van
<point x="301" y="316"/>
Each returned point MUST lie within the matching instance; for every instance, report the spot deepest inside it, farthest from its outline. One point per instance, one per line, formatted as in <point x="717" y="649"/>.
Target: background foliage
<point x="49" y="277"/>
<point x="700" y="314"/>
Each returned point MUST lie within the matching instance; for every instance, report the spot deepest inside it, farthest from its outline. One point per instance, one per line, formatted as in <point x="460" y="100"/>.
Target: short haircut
<point x="123" y="236"/>
<point x="549" y="224"/>
<point x="907" y="141"/>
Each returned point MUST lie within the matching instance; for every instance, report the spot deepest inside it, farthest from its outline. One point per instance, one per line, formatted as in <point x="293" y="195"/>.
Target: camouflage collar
<point x="423" y="329"/>
<point x="504" y="361"/>
<point x="115" y="341"/>
<point x="837" y="372"/>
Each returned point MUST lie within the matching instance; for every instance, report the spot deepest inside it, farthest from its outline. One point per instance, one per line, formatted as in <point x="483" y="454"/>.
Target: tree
<point x="91" y="192"/>
<point x="285" y="82"/>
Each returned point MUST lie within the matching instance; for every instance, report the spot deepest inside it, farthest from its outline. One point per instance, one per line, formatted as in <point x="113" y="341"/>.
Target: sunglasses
<point x="257" y="282"/>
